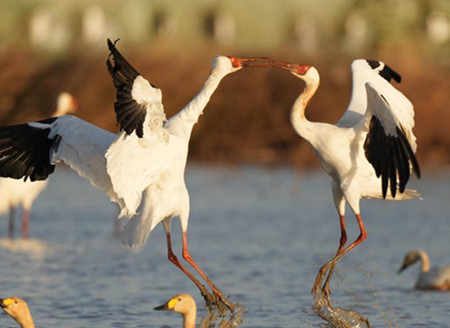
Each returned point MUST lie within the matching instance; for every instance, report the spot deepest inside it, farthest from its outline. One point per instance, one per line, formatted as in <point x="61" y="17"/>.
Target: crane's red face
<point x="250" y="62"/>
<point x="294" y="68"/>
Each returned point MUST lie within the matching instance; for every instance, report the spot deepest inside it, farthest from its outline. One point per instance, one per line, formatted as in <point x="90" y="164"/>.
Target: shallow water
<point x="260" y="234"/>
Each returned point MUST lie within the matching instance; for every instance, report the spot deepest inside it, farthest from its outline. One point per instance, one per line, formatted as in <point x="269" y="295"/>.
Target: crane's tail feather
<point x="136" y="232"/>
<point x="412" y="193"/>
<point x="407" y="194"/>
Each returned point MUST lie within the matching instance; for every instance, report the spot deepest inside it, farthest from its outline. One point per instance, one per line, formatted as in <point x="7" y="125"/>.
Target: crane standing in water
<point x="141" y="168"/>
<point x="367" y="153"/>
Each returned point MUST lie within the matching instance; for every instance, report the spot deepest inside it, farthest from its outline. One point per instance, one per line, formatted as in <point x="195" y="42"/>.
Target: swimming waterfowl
<point x="17" y="309"/>
<point x="183" y="304"/>
<point x="430" y="278"/>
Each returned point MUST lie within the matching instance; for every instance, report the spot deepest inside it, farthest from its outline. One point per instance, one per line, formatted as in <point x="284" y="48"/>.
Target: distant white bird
<point x="18" y="309"/>
<point x="183" y="304"/>
<point x="430" y="278"/>
<point x="14" y="193"/>
<point x="370" y="150"/>
<point x="141" y="168"/>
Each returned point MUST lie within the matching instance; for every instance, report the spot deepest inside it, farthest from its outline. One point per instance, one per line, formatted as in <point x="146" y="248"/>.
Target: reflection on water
<point x="33" y="247"/>
<point x="259" y="234"/>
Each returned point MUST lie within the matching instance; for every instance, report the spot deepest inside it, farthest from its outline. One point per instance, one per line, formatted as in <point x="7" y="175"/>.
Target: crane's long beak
<point x="250" y="62"/>
<point x="283" y="65"/>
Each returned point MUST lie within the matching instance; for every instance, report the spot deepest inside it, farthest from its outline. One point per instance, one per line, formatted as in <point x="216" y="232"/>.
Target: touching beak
<point x="250" y="62"/>
<point x="282" y="65"/>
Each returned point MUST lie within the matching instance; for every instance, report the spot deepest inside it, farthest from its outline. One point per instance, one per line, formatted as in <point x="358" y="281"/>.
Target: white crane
<point x="369" y="151"/>
<point x="141" y="168"/>
<point x="14" y="193"/>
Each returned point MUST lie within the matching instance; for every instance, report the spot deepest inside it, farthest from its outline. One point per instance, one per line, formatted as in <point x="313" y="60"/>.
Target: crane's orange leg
<point x="327" y="266"/>
<point x="174" y="260"/>
<point x="215" y="290"/>
<point x="342" y="242"/>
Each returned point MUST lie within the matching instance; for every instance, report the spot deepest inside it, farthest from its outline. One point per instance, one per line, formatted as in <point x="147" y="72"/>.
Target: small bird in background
<point x="430" y="278"/>
<point x="15" y="193"/>
<point x="183" y="304"/>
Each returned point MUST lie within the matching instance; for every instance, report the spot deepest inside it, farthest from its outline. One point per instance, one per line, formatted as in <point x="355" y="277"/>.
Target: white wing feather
<point x="363" y="73"/>
<point x="391" y="107"/>
<point x="82" y="146"/>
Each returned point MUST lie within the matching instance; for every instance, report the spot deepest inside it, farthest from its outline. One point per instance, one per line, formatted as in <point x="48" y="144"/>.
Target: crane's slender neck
<point x="425" y="261"/>
<point x="192" y="111"/>
<point x="298" y="118"/>
<point x="59" y="112"/>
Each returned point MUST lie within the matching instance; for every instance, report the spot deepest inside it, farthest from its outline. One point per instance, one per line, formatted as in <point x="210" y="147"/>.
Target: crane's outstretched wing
<point x="32" y="150"/>
<point x="390" y="144"/>
<point x="138" y="104"/>
<point x="364" y="71"/>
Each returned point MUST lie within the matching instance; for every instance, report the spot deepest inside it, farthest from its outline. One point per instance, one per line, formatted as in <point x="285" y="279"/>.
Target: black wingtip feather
<point x="387" y="73"/>
<point x="391" y="157"/>
<point x="25" y="152"/>
<point x="129" y="114"/>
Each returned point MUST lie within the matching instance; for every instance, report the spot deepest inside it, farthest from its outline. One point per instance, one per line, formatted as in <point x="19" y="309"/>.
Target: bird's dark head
<point x="411" y="258"/>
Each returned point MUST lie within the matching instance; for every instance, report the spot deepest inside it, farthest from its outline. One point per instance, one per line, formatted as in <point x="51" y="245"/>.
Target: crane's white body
<point x="144" y="175"/>
<point x="340" y="147"/>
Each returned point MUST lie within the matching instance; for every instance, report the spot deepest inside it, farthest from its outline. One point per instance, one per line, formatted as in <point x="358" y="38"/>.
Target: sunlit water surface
<point x="260" y="234"/>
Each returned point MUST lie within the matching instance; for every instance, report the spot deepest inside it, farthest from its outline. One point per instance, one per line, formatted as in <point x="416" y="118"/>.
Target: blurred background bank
<point x="51" y="46"/>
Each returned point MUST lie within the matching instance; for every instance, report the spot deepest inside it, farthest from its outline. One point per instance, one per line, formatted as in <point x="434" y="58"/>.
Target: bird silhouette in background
<point x="15" y="193"/>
